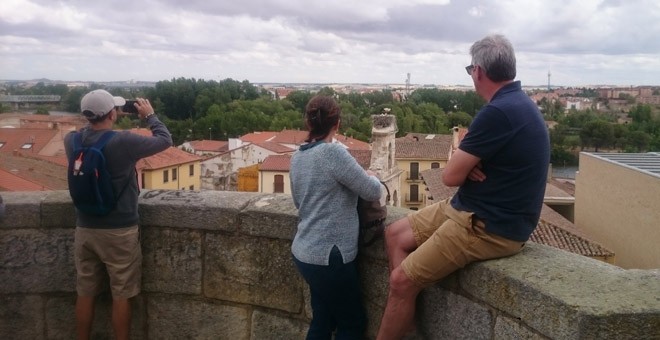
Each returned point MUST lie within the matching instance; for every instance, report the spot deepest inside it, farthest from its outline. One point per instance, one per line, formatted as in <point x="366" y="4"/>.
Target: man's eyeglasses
<point x="469" y="69"/>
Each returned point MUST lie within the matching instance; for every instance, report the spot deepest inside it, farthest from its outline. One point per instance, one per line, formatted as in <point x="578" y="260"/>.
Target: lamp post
<point x="209" y="133"/>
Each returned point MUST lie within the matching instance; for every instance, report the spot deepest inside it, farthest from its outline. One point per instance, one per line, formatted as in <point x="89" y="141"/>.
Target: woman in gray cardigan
<point x="325" y="183"/>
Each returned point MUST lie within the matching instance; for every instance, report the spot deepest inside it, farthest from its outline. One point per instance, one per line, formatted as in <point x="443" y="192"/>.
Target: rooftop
<point x="648" y="163"/>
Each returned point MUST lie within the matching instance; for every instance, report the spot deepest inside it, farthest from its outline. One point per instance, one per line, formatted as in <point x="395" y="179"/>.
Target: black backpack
<point x="90" y="183"/>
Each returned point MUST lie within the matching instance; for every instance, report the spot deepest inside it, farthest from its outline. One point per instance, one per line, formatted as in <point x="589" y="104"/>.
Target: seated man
<point x="500" y="167"/>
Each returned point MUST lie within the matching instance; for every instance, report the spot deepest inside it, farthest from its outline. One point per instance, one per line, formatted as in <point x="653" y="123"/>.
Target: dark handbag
<point x="372" y="219"/>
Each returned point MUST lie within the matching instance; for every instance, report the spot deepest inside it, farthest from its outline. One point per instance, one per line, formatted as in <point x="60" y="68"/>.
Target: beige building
<point x="617" y="202"/>
<point x="274" y="174"/>
<point x="415" y="153"/>
<point x="172" y="169"/>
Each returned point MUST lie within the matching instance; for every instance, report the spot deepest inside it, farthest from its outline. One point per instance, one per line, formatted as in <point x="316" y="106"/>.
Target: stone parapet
<point x="217" y="265"/>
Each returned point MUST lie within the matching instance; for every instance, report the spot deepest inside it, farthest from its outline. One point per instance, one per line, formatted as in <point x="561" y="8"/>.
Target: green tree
<point x="639" y="141"/>
<point x="42" y="110"/>
<point x="598" y="134"/>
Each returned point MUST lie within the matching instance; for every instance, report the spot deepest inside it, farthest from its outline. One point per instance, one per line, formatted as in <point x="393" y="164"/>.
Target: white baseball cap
<point x="98" y="103"/>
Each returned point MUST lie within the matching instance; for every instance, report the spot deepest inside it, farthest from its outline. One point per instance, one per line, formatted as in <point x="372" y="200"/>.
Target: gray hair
<point x="494" y="54"/>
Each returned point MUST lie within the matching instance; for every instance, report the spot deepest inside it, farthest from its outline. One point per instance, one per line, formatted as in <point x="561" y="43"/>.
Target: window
<point x="414" y="170"/>
<point x="142" y="180"/>
<point x="192" y="187"/>
<point x="435" y="165"/>
<point x="191" y="170"/>
<point x="26" y="146"/>
<point x="2" y="144"/>
<point x="166" y="176"/>
<point x="174" y="174"/>
<point x="279" y="183"/>
<point x="414" y="193"/>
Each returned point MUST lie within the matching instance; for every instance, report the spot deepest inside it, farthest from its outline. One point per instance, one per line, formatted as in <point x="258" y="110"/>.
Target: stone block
<point x="171" y="260"/>
<point x="37" y="261"/>
<point x="172" y="317"/>
<point x="251" y="270"/>
<point x="269" y="326"/>
<point x="508" y="328"/>
<point x="210" y="210"/>
<point x="22" y="210"/>
<point x="374" y="280"/>
<point x="61" y="316"/>
<point x="272" y="216"/>
<point x="57" y="210"/>
<point x="568" y="296"/>
<point x="21" y="317"/>
<point x="443" y="314"/>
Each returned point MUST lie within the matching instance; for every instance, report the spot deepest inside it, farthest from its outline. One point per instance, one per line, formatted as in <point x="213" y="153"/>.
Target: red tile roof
<point x="170" y="157"/>
<point x="258" y="136"/>
<point x="14" y="139"/>
<point x="297" y="137"/>
<point x="12" y="182"/>
<point x="435" y="148"/>
<point x="33" y="169"/>
<point x="275" y="147"/>
<point x="276" y="163"/>
<point x="363" y="157"/>
<point x="209" y="145"/>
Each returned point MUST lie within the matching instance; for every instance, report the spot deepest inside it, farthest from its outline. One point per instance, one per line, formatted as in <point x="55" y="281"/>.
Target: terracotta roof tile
<point x="437" y="190"/>
<point x="297" y="137"/>
<point x="437" y="147"/>
<point x="363" y="157"/>
<point x="170" y="157"/>
<point x="210" y="145"/>
<point x="14" y="139"/>
<point x="275" y="147"/>
<point x="12" y="182"/>
<point x="36" y="170"/>
<point x="276" y="163"/>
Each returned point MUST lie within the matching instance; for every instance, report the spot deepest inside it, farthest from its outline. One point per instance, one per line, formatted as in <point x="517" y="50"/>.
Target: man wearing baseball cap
<point x="112" y="240"/>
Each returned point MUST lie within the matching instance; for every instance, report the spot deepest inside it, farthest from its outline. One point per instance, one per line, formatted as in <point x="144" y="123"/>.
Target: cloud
<point x="586" y="42"/>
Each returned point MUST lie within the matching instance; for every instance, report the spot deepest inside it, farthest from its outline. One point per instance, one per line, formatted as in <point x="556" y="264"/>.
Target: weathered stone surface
<point x="545" y="288"/>
<point x="252" y="270"/>
<point x="272" y="216"/>
<point x="60" y="318"/>
<point x="22" y="210"/>
<point x="172" y="317"/>
<point x="268" y="326"/>
<point x="21" y="317"/>
<point x="445" y="315"/>
<point x="211" y="210"/>
<point x="57" y="210"/>
<point x="172" y="261"/>
<point x="508" y="328"/>
<point x="37" y="261"/>
<point x="543" y="292"/>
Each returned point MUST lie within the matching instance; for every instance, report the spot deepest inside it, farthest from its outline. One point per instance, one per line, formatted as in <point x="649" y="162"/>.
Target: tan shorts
<point x="449" y="239"/>
<point x="116" y="249"/>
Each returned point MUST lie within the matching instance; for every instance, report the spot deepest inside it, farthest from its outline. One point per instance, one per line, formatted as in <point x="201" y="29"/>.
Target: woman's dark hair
<point x="321" y="114"/>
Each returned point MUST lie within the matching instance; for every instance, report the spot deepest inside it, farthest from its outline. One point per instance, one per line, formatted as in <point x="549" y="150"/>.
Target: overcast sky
<point x="580" y="42"/>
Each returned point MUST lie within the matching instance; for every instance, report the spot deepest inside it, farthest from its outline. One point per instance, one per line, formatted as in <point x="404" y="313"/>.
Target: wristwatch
<point x="148" y="115"/>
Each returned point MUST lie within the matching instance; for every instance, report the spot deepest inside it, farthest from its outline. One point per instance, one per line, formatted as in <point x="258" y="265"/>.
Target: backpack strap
<point x="105" y="138"/>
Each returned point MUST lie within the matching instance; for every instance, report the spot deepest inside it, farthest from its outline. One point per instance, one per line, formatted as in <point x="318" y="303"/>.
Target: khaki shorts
<point x="118" y="250"/>
<point x="449" y="239"/>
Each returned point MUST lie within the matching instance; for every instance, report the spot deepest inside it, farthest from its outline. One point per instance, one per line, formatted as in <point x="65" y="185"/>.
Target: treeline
<point x="197" y="109"/>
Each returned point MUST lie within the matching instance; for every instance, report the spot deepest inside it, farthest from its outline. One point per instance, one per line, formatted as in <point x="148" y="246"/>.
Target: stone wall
<point x="217" y="265"/>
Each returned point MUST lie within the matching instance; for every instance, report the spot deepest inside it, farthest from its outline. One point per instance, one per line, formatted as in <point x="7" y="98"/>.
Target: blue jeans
<point x="336" y="299"/>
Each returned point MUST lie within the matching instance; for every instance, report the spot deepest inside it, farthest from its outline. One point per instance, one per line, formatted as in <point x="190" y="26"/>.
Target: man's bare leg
<point x="121" y="318"/>
<point x="399" y="242"/>
<point x="84" y="316"/>
<point x="399" y="316"/>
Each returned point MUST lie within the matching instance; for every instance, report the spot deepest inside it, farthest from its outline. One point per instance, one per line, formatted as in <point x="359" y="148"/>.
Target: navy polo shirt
<point x="510" y="137"/>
